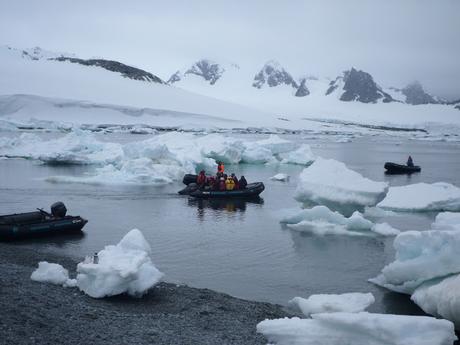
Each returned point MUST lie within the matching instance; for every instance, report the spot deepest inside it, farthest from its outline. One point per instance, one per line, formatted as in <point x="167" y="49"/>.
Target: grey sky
<point x="395" y="40"/>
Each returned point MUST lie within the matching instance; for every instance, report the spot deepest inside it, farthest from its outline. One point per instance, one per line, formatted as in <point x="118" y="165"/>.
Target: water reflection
<point x="230" y="206"/>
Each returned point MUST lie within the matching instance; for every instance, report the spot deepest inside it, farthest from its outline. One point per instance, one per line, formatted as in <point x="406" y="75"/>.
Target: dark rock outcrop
<point x="302" y="91"/>
<point x="358" y="86"/>
<point x="115" y="66"/>
<point x="273" y="75"/>
<point x="207" y="69"/>
<point x="415" y="94"/>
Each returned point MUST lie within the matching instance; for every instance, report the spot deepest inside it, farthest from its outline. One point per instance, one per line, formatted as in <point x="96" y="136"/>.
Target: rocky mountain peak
<point x="415" y="94"/>
<point x="209" y="70"/>
<point x="358" y="86"/>
<point x="273" y="74"/>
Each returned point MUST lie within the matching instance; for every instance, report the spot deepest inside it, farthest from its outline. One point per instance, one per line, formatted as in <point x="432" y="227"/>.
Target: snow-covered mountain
<point x="415" y="94"/>
<point x="359" y="86"/>
<point x="62" y="87"/>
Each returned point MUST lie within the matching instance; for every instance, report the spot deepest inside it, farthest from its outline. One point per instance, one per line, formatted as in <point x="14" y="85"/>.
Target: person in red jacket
<point x="201" y="179"/>
<point x="222" y="186"/>
<point x="220" y="168"/>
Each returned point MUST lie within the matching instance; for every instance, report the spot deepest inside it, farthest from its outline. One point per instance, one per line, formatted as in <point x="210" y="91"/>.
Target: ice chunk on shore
<point x="122" y="268"/>
<point x="358" y="329"/>
<point x="440" y="298"/>
<point x="301" y="156"/>
<point x="52" y="273"/>
<point x="328" y="303"/>
<point x="320" y="220"/>
<point x="447" y="221"/>
<point x="438" y="196"/>
<point x="280" y="177"/>
<point x="421" y="256"/>
<point x="331" y="183"/>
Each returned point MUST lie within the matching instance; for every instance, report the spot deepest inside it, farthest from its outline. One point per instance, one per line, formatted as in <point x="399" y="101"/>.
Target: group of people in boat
<point x="221" y="181"/>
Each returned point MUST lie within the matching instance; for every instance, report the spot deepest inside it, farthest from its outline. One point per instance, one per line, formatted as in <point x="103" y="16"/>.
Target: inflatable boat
<point x="252" y="190"/>
<point x="39" y="223"/>
<point x="393" y="168"/>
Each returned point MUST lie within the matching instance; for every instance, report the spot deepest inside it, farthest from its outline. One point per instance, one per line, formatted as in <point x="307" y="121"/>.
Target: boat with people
<point x="394" y="168"/>
<point x="220" y="186"/>
<point x="40" y="222"/>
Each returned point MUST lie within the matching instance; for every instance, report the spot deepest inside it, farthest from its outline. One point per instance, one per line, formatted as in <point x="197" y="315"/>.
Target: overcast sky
<point x="397" y="41"/>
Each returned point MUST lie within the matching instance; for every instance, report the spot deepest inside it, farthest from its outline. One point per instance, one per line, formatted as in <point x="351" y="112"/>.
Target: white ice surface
<point x="280" y="177"/>
<point x="440" y="298"/>
<point x="320" y="220"/>
<point x="122" y="268"/>
<point x="328" y="182"/>
<point x="421" y="256"/>
<point x="160" y="159"/>
<point x="358" y="329"/>
<point x="447" y="221"/>
<point x="302" y="156"/>
<point x="438" y="196"/>
<point x="329" y="303"/>
<point x="52" y="273"/>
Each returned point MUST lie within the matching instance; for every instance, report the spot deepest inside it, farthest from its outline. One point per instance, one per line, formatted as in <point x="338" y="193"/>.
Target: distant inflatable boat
<point x="393" y="168"/>
<point x="28" y="224"/>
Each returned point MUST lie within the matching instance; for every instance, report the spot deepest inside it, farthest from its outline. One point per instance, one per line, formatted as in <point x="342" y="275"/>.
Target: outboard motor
<point x="58" y="209"/>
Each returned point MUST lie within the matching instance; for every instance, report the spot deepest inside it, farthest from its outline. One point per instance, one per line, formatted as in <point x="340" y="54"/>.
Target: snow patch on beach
<point x="358" y="329"/>
<point x="328" y="303"/>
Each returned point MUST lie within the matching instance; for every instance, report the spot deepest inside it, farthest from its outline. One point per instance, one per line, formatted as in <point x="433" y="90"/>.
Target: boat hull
<point x="12" y="230"/>
<point x="393" y="168"/>
<point x="252" y="190"/>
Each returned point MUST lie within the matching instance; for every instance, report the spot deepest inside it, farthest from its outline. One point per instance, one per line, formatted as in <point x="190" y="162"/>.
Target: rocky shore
<point x="37" y="313"/>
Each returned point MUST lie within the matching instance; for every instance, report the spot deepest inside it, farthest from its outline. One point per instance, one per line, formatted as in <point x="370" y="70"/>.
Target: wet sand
<point x="38" y="313"/>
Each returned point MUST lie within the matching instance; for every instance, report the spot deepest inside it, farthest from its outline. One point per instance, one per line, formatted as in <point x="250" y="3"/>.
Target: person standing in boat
<point x="220" y="168"/>
<point x="201" y="179"/>
<point x="410" y="162"/>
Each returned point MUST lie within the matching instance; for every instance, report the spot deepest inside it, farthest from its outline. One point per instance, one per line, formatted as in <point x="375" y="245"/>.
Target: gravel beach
<point x="38" y="313"/>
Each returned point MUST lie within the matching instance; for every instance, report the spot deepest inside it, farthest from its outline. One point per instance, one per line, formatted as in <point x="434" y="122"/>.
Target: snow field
<point x="122" y="268"/>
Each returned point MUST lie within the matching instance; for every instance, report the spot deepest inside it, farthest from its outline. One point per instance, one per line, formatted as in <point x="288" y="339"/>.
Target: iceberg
<point x="329" y="182"/>
<point x="420" y="197"/>
<point x="447" y="221"/>
<point x="320" y="220"/>
<point x="301" y="156"/>
<point x="327" y="303"/>
<point x="52" y="273"/>
<point x="122" y="268"/>
<point x="358" y="329"/>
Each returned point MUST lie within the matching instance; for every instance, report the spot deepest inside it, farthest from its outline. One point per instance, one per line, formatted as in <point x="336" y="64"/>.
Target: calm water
<point x="237" y="248"/>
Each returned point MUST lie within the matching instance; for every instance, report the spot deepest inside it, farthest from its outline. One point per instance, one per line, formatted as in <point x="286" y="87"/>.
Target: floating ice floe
<point x="427" y="266"/>
<point x="328" y="303"/>
<point x="358" y="329"/>
<point x="320" y="220"/>
<point x="447" y="221"/>
<point x="331" y="183"/>
<point x="159" y="159"/>
<point x="122" y="268"/>
<point x="52" y="273"/>
<point x="280" y="177"/>
<point x="438" y="196"/>
<point x="301" y="156"/>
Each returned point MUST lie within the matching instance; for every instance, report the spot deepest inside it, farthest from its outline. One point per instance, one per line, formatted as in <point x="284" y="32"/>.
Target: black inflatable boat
<point x="393" y="168"/>
<point x="252" y="190"/>
<point x="39" y="223"/>
<point x="189" y="178"/>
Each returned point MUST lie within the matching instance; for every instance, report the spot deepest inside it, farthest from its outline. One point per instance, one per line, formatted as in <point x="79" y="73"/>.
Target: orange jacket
<point x="220" y="168"/>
